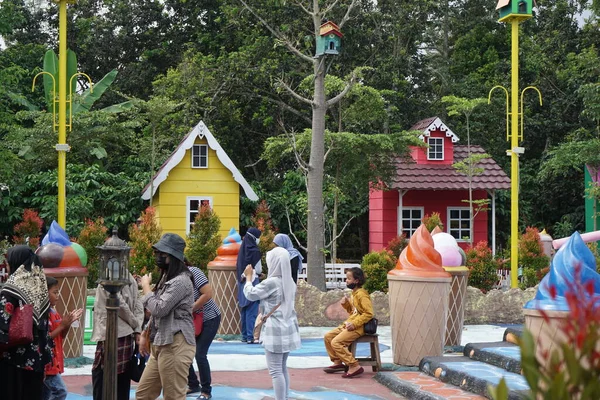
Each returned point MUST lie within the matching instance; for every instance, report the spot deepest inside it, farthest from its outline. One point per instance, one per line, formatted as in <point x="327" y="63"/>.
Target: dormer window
<point x="436" y="148"/>
<point x="199" y="156"/>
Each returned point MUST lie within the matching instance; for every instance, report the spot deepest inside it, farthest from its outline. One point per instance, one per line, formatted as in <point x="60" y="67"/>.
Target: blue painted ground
<point x="310" y="347"/>
<point x="235" y="393"/>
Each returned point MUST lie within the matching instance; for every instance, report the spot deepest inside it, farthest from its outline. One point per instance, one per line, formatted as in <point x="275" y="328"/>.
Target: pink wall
<point x="419" y="154"/>
<point x="383" y="212"/>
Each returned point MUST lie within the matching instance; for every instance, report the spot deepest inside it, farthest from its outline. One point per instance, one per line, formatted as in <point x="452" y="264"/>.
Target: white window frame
<point x="433" y="146"/>
<point x="402" y="219"/>
<point x="189" y="222"/>
<point x="449" y="228"/>
<point x="198" y="157"/>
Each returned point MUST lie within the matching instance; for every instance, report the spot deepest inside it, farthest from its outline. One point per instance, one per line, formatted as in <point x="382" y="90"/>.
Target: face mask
<point x="161" y="262"/>
<point x="350" y="285"/>
<point x="257" y="241"/>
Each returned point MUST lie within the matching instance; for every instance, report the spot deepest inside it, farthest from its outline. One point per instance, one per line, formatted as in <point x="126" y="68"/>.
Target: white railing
<point x="335" y="274"/>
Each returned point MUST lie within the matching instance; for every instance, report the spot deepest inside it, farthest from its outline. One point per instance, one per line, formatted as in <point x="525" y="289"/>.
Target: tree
<point x="319" y="104"/>
<point x="468" y="166"/>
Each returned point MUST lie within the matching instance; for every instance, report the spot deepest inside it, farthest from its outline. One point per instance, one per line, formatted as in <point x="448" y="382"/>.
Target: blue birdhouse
<point x="514" y="9"/>
<point x="329" y="40"/>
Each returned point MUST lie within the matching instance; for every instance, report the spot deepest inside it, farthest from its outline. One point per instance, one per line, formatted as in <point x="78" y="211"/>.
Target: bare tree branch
<point x="278" y="35"/>
<point x="306" y="10"/>
<point x="301" y="163"/>
<point x="330" y="7"/>
<point x="348" y="12"/>
<point x="287" y="214"/>
<point x="343" y="93"/>
<point x="340" y="234"/>
<point x="294" y="94"/>
<point x="288" y="108"/>
<point x="328" y="150"/>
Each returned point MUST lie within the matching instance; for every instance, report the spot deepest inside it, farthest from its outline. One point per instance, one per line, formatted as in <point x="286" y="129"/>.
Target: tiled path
<point x="431" y="385"/>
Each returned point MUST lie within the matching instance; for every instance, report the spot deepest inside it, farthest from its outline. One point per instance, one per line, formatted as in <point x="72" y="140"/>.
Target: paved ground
<point x="239" y="370"/>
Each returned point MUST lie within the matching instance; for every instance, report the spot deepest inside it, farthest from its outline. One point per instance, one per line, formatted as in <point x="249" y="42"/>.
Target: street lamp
<point x="113" y="275"/>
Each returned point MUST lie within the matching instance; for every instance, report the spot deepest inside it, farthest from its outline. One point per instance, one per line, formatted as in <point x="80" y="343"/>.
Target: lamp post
<point x="114" y="265"/>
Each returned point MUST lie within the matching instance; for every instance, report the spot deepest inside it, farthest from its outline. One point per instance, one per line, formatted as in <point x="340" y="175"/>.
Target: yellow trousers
<point x="337" y="342"/>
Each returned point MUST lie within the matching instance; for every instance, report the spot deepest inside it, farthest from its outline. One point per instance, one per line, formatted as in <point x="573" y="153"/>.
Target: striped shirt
<point x="171" y="309"/>
<point x="210" y="308"/>
<point x="278" y="335"/>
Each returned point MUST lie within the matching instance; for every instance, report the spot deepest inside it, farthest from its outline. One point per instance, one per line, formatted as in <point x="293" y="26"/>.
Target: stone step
<point x="505" y="355"/>
<point x="473" y="376"/>
<point x="513" y="334"/>
<point x="416" y="385"/>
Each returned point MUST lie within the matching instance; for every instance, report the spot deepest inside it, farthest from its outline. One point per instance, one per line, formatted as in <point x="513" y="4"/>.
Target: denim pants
<point x="54" y="388"/>
<point x="277" y="364"/>
<point x="203" y="342"/>
<point x="249" y="314"/>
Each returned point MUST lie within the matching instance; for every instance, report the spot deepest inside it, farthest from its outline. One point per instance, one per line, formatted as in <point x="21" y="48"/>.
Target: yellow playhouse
<point x="198" y="172"/>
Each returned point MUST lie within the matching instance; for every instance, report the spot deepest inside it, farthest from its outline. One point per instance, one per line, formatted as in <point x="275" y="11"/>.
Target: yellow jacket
<point x="360" y="309"/>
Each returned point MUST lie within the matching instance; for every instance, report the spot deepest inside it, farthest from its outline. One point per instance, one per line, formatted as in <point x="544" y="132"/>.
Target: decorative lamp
<point x="114" y="263"/>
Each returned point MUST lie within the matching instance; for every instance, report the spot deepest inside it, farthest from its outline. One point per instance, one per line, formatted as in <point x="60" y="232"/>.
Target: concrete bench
<point x="335" y="274"/>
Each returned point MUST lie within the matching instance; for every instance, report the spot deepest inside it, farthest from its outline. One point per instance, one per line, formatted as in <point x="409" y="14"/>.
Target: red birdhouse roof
<point x="329" y="27"/>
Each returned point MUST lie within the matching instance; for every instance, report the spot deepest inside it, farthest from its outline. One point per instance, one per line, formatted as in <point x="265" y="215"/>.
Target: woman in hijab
<point x="22" y="366"/>
<point x="171" y="328"/>
<point x="280" y="333"/>
<point x="249" y="255"/>
<point x="283" y="240"/>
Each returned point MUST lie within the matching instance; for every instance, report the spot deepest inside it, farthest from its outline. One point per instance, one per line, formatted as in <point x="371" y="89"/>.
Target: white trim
<point x="188" y="210"/>
<point x="401" y="194"/>
<point x="200" y="146"/>
<point x="199" y="131"/>
<point x="448" y="219"/>
<point x="429" y="149"/>
<point x="493" y="194"/>
<point x="421" y="209"/>
<point x="437" y="124"/>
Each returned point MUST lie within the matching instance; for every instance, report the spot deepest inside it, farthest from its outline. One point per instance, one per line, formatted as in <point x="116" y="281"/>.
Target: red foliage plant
<point x="30" y="227"/>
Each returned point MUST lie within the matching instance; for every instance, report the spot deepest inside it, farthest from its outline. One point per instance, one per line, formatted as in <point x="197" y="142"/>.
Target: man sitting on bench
<point x="338" y="340"/>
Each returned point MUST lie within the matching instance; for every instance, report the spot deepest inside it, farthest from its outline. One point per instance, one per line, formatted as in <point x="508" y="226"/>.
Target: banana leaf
<point x="51" y="66"/>
<point x="87" y="99"/>
<point x="117" y="108"/>
<point x="22" y="100"/>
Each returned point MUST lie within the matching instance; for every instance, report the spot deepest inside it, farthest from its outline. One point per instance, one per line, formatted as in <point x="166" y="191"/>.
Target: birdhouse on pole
<point x="329" y="40"/>
<point x="514" y="9"/>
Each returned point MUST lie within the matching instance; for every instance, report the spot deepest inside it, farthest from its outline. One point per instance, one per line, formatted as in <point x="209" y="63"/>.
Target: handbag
<point x="20" y="329"/>
<point x="198" y="322"/>
<point x="370" y="327"/>
<point x="137" y="363"/>
<point x="260" y="321"/>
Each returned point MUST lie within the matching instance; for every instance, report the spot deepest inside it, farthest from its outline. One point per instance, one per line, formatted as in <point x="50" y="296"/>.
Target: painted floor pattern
<point x="426" y="383"/>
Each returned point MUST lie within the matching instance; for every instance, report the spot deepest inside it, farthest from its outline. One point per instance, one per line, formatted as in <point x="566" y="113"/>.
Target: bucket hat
<point x="171" y="244"/>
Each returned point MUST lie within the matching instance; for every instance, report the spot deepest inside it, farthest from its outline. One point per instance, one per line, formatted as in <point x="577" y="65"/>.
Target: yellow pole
<point x="62" y="112"/>
<point x="514" y="160"/>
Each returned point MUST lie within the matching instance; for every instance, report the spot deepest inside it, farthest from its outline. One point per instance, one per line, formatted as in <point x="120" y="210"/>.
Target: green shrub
<point x="93" y="234"/>
<point x="376" y="265"/>
<point x="204" y="239"/>
<point x="483" y="267"/>
<point x="433" y="220"/>
<point x="142" y="236"/>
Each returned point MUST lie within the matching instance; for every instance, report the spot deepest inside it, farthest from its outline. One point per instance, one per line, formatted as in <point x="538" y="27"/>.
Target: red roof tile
<point x="413" y="176"/>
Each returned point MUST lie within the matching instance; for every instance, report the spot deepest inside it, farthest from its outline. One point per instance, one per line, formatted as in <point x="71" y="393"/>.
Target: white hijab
<point x="278" y="262"/>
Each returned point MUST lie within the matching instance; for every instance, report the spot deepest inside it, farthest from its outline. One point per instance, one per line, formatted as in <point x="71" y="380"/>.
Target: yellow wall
<point x="216" y="181"/>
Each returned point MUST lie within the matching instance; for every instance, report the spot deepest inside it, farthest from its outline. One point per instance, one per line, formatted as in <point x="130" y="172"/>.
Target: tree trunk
<point x="316" y="229"/>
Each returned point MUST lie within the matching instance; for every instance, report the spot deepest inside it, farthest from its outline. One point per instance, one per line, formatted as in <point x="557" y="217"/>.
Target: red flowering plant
<point x="203" y="239"/>
<point x="263" y="222"/>
<point x="483" y="267"/>
<point x="142" y="235"/>
<point x="28" y="231"/>
<point x="572" y="370"/>
<point x="532" y="258"/>
<point x="396" y="245"/>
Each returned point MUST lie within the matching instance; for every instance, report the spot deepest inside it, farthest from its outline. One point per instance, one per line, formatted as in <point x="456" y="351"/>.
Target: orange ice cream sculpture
<point x="420" y="259"/>
<point x="227" y="253"/>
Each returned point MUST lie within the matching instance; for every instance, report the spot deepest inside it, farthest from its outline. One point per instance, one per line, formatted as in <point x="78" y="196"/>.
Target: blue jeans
<point x="249" y="314"/>
<point x="54" y="388"/>
<point x="203" y="342"/>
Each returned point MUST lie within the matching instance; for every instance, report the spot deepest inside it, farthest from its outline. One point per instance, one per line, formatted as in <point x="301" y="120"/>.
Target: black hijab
<point x="21" y="255"/>
<point x="249" y="252"/>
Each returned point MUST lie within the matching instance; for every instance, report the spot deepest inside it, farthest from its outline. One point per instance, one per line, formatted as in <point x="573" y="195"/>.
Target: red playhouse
<point x="427" y="182"/>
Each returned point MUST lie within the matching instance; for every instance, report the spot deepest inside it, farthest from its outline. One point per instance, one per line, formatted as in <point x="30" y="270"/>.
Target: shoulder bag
<point x="370" y="327"/>
<point x="260" y="321"/>
<point x="198" y="322"/>
<point x="20" y="330"/>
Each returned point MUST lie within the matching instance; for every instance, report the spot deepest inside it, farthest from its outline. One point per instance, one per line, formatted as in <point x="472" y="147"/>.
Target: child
<point x="337" y="340"/>
<point x="54" y="387"/>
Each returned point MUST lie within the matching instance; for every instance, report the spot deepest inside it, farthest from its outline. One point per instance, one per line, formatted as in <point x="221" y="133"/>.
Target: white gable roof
<point x="199" y="131"/>
<point x="437" y="124"/>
